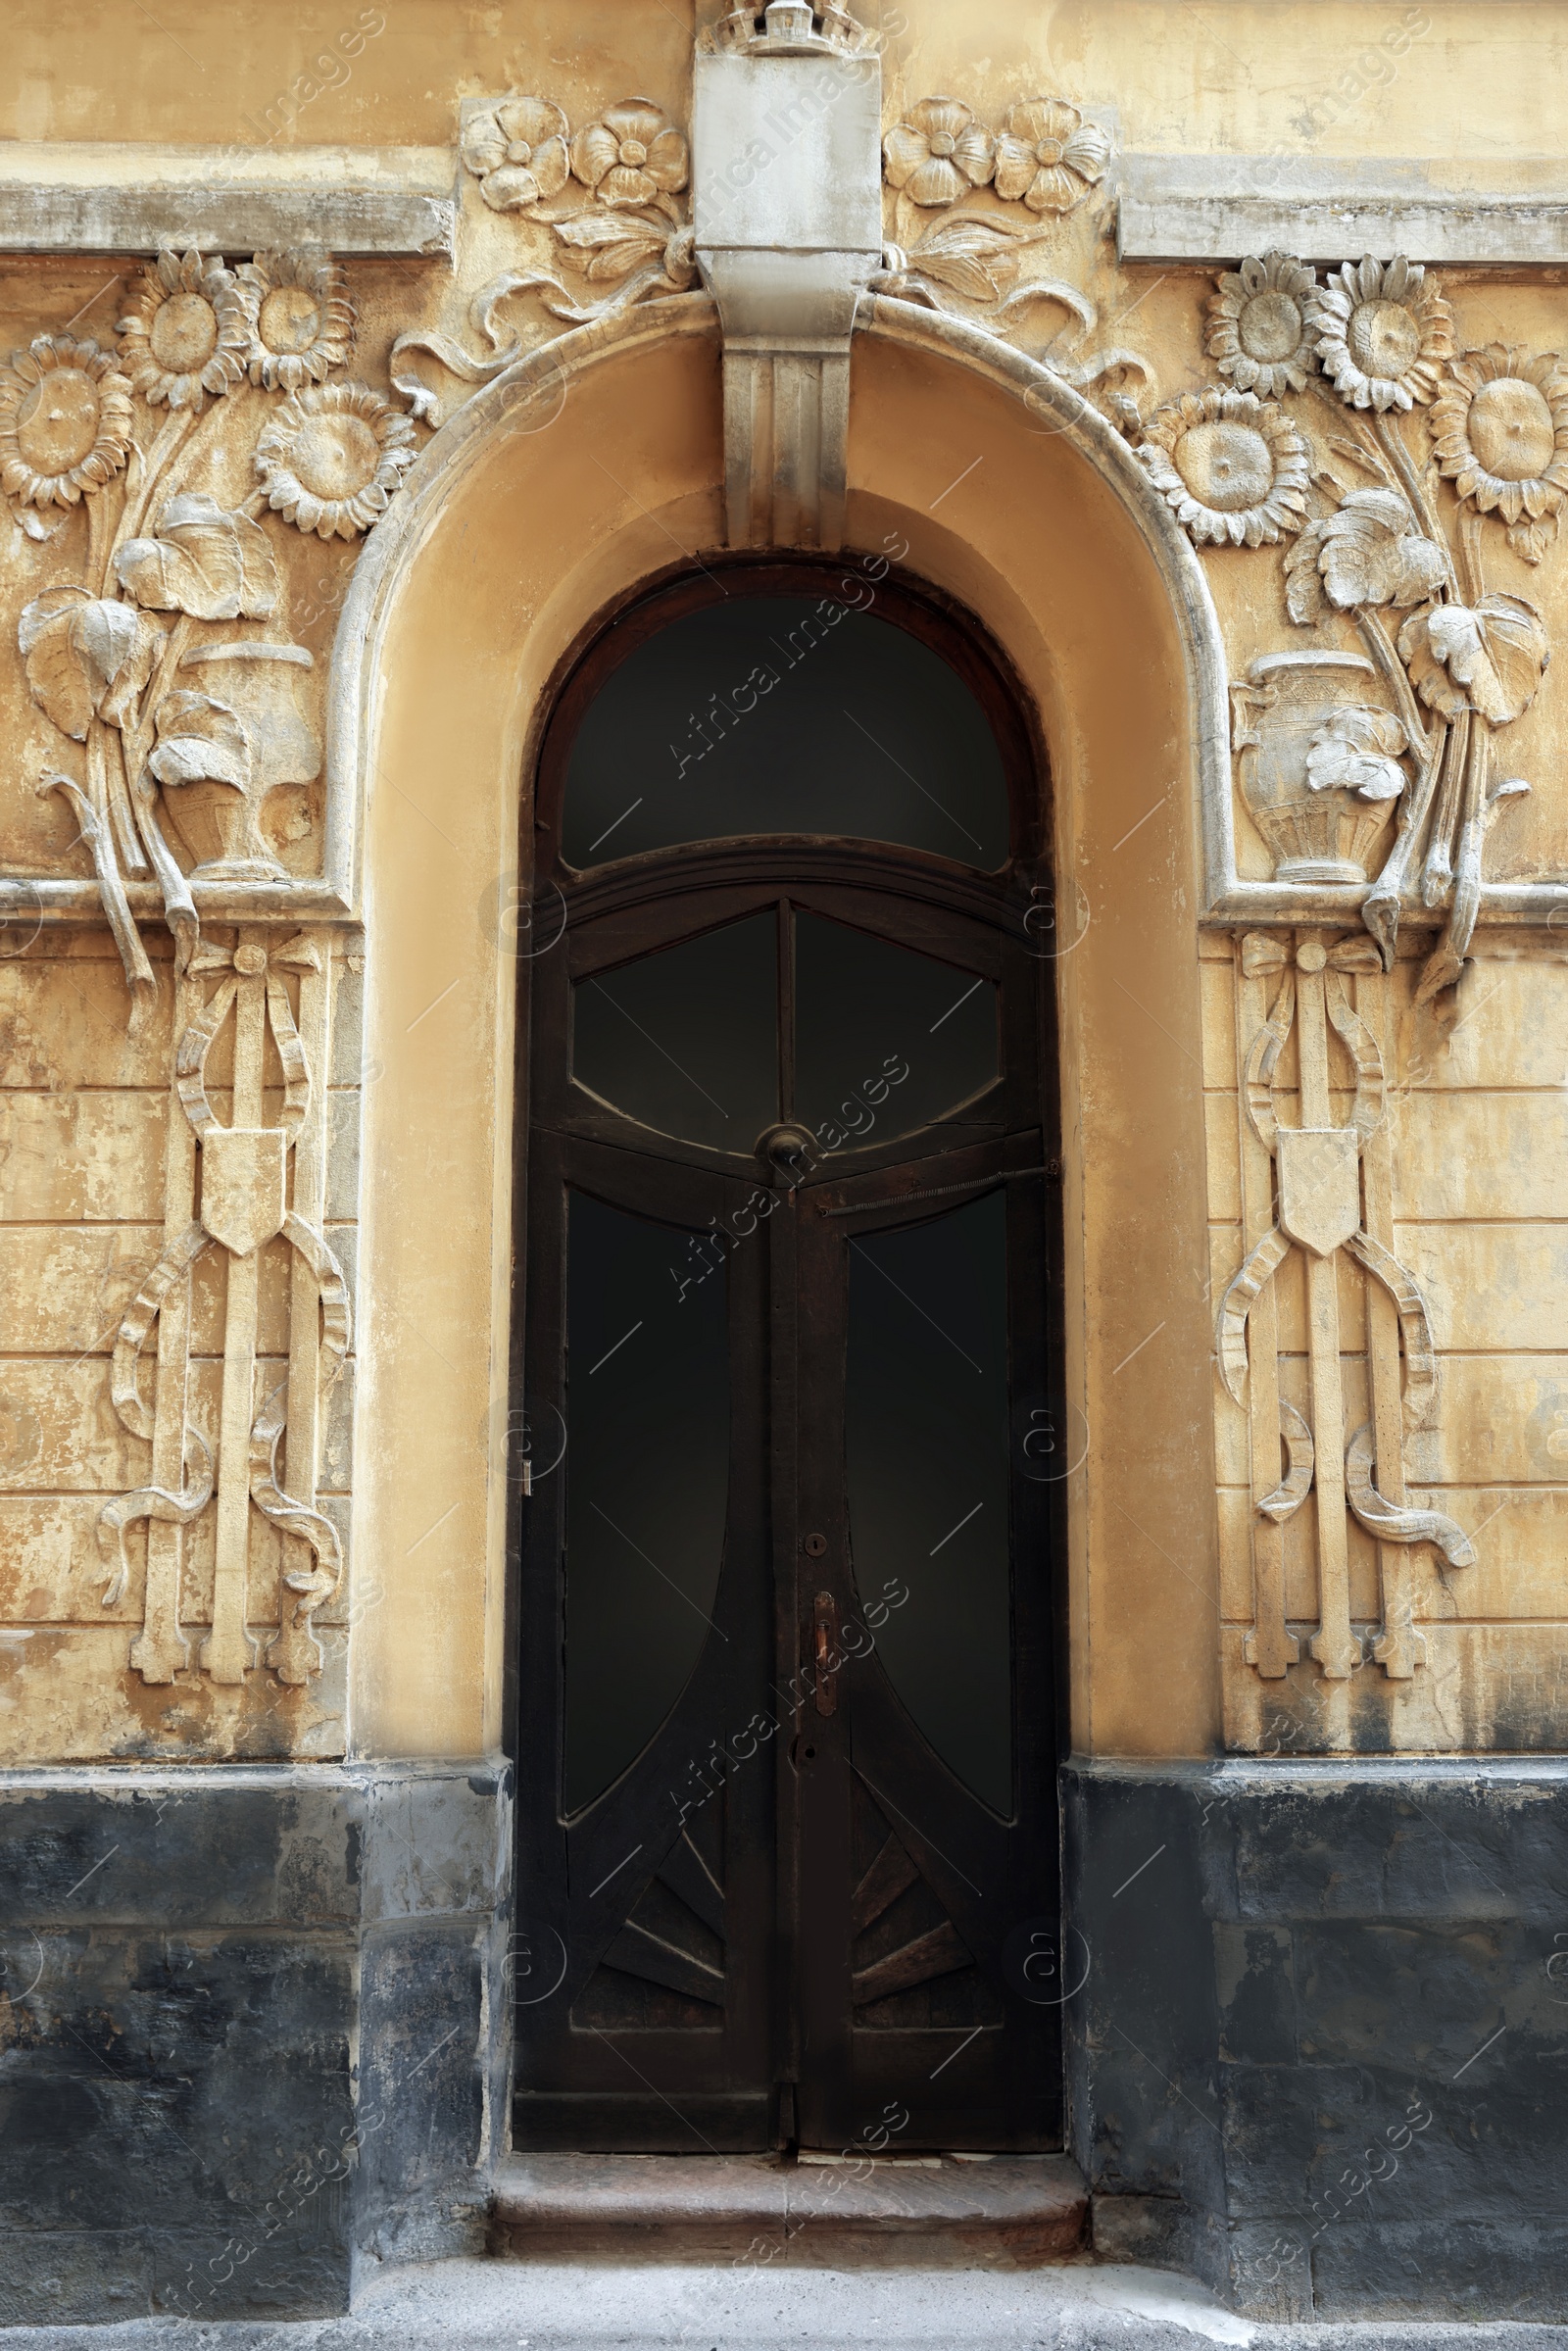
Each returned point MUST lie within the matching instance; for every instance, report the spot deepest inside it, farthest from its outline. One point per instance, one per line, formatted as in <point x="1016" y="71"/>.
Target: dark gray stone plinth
<point x="247" y="2030"/>
<point x="1293" y="1966"/>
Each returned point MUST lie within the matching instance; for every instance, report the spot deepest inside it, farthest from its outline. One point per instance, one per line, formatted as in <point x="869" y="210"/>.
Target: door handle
<point x="825" y="1654"/>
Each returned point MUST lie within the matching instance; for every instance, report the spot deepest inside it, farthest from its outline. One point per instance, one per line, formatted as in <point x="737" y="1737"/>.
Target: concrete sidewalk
<point x="476" y="2305"/>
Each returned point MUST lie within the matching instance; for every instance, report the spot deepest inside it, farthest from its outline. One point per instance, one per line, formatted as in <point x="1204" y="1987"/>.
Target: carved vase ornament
<point x="1320" y="763"/>
<point x="239" y="736"/>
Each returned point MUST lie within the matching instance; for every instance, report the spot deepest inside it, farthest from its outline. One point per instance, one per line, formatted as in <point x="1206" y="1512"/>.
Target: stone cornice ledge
<point x="88" y="198"/>
<point x="1217" y="207"/>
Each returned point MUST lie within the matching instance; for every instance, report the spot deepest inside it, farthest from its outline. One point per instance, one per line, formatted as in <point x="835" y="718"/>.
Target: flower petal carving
<point x="517" y="152"/>
<point x="1048" y="156"/>
<point x="1383" y="333"/>
<point x="939" y="153"/>
<point x="1232" y="467"/>
<point x="214" y="565"/>
<point x="632" y="155"/>
<point x="1501" y="425"/>
<point x="65" y="422"/>
<point x="1490" y="659"/>
<point x="1259" y="328"/>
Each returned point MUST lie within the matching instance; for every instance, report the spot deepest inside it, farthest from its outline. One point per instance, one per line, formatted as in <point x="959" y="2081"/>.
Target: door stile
<point x="783" y="1453"/>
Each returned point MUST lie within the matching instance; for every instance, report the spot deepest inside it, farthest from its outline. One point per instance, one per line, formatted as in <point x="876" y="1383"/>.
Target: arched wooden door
<point x="786" y="1631"/>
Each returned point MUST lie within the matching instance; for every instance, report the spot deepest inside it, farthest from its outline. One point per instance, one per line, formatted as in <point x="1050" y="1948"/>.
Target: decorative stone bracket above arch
<point x="787" y="204"/>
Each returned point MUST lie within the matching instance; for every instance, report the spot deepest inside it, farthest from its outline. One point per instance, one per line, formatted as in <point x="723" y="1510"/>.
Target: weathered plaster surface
<point x="542" y="499"/>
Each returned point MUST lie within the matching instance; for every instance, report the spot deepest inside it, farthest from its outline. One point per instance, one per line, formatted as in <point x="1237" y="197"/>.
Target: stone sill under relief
<point x="73" y="902"/>
<point x="1277" y="901"/>
<point x="1217" y="207"/>
<point x="81" y="197"/>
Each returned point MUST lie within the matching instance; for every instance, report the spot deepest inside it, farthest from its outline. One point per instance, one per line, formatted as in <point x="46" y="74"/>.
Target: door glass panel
<point x="784" y="714"/>
<point x="926" y="1445"/>
<point x="647" y="1468"/>
<point x="887" y="1040"/>
<point x="686" y="1041"/>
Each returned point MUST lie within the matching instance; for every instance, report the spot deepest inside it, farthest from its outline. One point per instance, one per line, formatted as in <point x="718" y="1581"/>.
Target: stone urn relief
<point x="225" y="741"/>
<point x="1320" y="762"/>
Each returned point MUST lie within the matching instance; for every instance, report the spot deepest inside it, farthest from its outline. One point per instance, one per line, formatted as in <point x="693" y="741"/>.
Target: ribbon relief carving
<point x="1325" y="1188"/>
<point x="243" y="1170"/>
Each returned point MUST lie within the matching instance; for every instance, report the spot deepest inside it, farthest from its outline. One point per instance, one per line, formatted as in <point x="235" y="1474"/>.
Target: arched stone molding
<point x="508" y="543"/>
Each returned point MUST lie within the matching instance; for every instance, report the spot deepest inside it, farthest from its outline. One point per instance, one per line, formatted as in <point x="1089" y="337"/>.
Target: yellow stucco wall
<point x="561" y="509"/>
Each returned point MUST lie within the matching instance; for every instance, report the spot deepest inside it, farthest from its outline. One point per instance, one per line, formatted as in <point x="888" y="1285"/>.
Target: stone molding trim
<point x="69" y="198"/>
<point x="1211" y="208"/>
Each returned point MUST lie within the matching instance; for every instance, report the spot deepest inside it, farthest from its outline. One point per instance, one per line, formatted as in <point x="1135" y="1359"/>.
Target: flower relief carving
<point x="1340" y="368"/>
<point x="607" y="194"/>
<point x="1004" y="192"/>
<point x="610" y="196"/>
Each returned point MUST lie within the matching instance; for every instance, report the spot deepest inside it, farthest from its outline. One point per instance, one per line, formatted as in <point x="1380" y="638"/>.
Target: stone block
<point x="244" y="2027"/>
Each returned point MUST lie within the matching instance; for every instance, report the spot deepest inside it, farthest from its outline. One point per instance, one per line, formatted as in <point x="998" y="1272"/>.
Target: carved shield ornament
<point x="243" y="1200"/>
<point x="1320" y="1191"/>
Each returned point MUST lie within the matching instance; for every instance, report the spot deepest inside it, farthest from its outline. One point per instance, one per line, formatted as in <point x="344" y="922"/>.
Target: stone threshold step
<point x="1013" y="2212"/>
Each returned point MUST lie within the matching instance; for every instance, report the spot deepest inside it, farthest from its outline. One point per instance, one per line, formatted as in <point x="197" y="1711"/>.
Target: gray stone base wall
<point x="248" y="2036"/>
<point x="1321" y="2053"/>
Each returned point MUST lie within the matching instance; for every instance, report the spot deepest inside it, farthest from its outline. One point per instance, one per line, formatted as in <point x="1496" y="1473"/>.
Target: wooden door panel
<point x="780" y="1933"/>
<point x="913" y="1971"/>
<point x="656" y="1895"/>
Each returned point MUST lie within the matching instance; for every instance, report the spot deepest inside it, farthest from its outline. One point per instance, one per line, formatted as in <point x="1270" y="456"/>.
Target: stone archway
<point x="512" y="539"/>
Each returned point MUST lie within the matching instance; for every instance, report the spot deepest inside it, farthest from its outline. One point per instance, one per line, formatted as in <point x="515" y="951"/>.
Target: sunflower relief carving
<point x="209" y="355"/>
<point x="1379" y="407"/>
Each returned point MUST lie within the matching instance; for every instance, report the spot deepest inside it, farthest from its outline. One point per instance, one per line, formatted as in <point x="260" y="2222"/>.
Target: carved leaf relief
<point x="611" y="245"/>
<point x="1490" y="659"/>
<point x="85" y="657"/>
<point x="199" y="741"/>
<point x="204" y="561"/>
<point x="1358" y="750"/>
<point x="1371" y="552"/>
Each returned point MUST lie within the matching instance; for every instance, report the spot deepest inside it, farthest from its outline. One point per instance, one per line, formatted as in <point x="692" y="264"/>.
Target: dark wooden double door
<point x="785" y="1680"/>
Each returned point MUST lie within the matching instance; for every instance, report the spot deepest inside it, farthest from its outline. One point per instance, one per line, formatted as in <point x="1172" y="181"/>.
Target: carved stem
<point x="106" y="789"/>
<point x="160" y="1650"/>
<point x="1438" y="870"/>
<point x="95" y="832"/>
<point x="1333" y="1644"/>
<point x="149" y="471"/>
<point x="1380" y="645"/>
<point x="135" y="748"/>
<point x="1445" y="964"/>
<point x="1398" y="1648"/>
<point x="1470" y="555"/>
<point x="1380" y="911"/>
<point x="1392" y="443"/>
<point x="230" y="1652"/>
